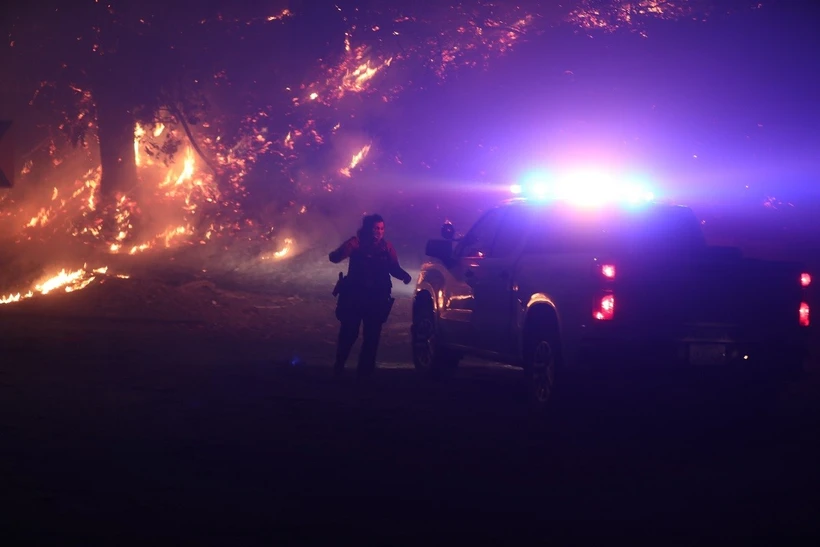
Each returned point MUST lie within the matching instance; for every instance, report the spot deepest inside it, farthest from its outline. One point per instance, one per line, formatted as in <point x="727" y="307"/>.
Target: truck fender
<point x="542" y="302"/>
<point x="424" y="294"/>
<point x="428" y="287"/>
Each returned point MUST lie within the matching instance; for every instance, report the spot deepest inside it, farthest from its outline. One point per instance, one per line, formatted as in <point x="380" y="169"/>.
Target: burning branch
<point x="180" y="117"/>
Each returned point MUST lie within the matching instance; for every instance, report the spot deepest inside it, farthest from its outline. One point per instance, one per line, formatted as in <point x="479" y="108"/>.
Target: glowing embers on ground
<point x="64" y="280"/>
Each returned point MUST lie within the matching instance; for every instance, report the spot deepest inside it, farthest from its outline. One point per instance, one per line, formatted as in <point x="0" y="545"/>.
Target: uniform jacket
<point x="371" y="265"/>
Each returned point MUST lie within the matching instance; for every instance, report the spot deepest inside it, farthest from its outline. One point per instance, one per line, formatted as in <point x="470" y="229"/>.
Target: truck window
<point x="558" y="234"/>
<point x="479" y="240"/>
<point x="660" y="228"/>
<point x="510" y="233"/>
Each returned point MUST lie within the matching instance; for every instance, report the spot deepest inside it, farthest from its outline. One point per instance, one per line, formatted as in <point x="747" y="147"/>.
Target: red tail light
<point x="605" y="308"/>
<point x="805" y="279"/>
<point x="804" y="314"/>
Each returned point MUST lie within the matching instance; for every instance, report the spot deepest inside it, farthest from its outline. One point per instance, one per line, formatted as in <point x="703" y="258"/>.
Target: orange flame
<point x="355" y="160"/>
<point x="284" y="250"/>
<point x="67" y="280"/>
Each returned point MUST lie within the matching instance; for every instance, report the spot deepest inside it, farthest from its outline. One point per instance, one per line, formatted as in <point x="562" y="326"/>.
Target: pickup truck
<point x="551" y="287"/>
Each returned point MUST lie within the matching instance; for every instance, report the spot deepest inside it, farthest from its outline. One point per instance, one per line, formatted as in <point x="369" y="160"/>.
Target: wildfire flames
<point x="68" y="281"/>
<point x="200" y="200"/>
<point x="354" y="74"/>
<point x="355" y="160"/>
<point x="204" y="204"/>
<point x="183" y="187"/>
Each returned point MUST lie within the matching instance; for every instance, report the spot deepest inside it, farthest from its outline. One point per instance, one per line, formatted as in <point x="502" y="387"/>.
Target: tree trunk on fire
<point x="115" y="126"/>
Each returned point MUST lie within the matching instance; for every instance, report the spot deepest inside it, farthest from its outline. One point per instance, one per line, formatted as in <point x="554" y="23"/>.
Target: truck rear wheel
<point x="542" y="359"/>
<point x="428" y="354"/>
<point x="541" y="372"/>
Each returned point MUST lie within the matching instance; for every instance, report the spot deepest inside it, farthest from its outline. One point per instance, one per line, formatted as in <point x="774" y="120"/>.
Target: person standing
<point x="364" y="295"/>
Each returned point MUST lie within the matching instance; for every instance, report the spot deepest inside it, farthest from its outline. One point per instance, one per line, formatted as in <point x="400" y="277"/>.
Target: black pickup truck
<point x="549" y="287"/>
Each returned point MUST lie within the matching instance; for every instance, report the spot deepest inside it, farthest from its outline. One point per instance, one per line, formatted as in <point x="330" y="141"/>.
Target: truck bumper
<point x="695" y="346"/>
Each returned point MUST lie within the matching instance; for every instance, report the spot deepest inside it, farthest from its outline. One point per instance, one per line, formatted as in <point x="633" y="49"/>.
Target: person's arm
<point x="395" y="269"/>
<point x="344" y="250"/>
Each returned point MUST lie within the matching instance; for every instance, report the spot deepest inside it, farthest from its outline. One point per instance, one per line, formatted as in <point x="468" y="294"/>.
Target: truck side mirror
<point x="448" y="231"/>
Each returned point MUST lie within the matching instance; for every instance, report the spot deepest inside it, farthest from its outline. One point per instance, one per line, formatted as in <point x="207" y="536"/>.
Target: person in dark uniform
<point x="364" y="296"/>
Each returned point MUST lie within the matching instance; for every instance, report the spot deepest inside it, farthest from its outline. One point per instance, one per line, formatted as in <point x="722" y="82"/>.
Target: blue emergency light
<point x="585" y="187"/>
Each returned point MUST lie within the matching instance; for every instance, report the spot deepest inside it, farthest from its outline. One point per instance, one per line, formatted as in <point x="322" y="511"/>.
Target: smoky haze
<point x="719" y="115"/>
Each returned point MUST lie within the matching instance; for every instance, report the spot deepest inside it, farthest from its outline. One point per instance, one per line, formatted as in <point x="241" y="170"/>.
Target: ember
<point x="627" y="13"/>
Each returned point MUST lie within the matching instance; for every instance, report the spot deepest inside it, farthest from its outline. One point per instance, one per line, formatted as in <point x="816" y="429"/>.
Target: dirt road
<point x="181" y="429"/>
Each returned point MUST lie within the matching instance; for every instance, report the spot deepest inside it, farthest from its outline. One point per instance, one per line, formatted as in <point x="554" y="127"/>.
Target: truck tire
<point x="429" y="356"/>
<point x="541" y="365"/>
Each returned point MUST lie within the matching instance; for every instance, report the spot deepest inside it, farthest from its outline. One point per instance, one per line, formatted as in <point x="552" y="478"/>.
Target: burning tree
<point x="103" y="67"/>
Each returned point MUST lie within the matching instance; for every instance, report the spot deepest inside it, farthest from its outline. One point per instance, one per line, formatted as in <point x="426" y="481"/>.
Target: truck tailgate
<point x="708" y="289"/>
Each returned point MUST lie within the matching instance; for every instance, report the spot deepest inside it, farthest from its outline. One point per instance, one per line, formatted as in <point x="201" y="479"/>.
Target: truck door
<point x="494" y="289"/>
<point x="459" y="297"/>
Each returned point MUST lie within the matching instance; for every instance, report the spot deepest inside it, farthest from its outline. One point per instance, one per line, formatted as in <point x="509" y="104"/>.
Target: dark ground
<point x="140" y="431"/>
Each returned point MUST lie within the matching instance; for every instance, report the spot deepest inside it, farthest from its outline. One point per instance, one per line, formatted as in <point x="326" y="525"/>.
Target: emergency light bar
<point x="583" y="188"/>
